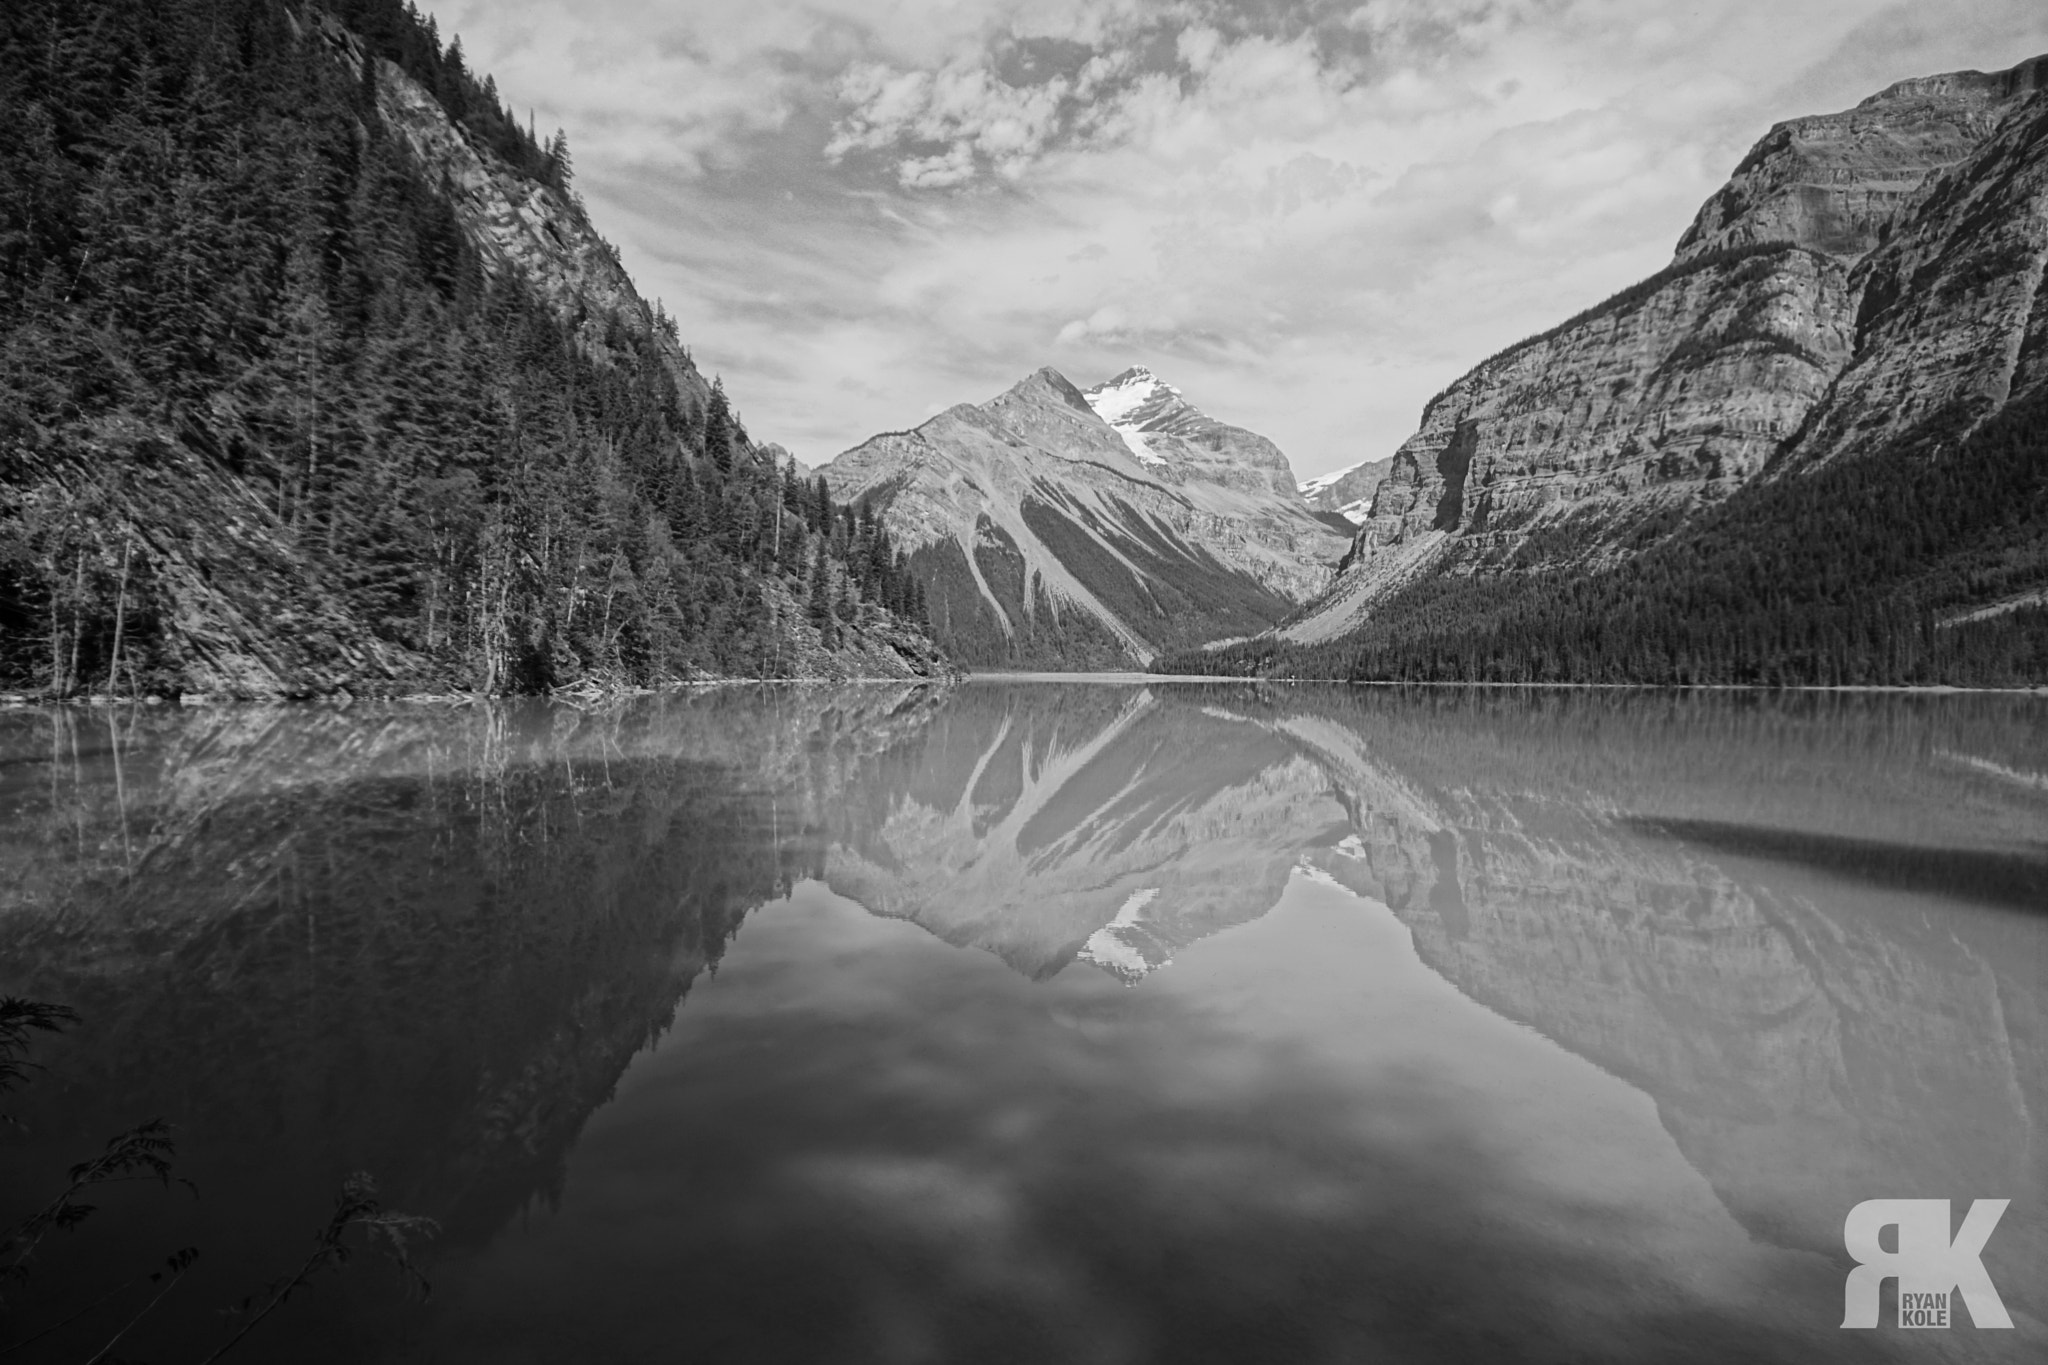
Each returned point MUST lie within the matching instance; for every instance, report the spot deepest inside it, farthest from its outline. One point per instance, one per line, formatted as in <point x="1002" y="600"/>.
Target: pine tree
<point x="718" y="432"/>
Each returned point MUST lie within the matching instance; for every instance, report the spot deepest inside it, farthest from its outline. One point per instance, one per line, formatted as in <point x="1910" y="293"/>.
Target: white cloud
<point x="1308" y="217"/>
<point x="964" y="110"/>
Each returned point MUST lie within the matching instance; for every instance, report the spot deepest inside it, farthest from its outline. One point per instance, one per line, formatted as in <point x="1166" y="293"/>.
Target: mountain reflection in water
<point x="1499" y="1025"/>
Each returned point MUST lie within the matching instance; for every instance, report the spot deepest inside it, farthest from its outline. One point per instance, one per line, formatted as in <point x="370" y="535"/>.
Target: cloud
<point x="962" y="118"/>
<point x="1309" y="215"/>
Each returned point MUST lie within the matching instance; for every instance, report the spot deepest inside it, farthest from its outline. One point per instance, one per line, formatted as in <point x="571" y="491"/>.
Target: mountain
<point x="1181" y="443"/>
<point x="1806" y="451"/>
<point x="315" y="378"/>
<point x="1348" y="493"/>
<point x="1053" y="528"/>
<point x="1834" y="181"/>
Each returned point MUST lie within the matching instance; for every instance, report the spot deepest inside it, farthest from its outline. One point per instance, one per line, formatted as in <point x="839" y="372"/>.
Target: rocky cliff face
<point x="516" y="224"/>
<point x="1051" y="537"/>
<point x="1833" y="181"/>
<point x="1863" y="274"/>
<point x="1952" y="323"/>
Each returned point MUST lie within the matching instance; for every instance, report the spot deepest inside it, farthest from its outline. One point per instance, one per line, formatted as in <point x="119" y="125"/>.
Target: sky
<point x="1309" y="217"/>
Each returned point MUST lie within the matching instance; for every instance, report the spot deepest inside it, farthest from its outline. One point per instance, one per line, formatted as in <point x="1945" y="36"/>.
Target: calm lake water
<point x="1036" y="1022"/>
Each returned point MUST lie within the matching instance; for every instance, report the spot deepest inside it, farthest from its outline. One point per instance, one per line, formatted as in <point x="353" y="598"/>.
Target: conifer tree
<point x="718" y="433"/>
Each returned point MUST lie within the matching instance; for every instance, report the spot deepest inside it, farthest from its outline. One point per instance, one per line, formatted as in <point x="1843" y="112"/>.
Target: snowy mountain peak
<point x="1311" y="487"/>
<point x="1177" y="440"/>
<point x="1133" y="399"/>
<point x="1347" y="492"/>
<point x="1137" y="402"/>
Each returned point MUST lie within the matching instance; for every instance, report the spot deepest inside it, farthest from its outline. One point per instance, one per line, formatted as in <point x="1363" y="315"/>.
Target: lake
<point x="1033" y="1021"/>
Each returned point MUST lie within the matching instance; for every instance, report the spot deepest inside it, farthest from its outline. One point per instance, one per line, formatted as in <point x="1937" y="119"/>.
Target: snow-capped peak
<point x="1311" y="487"/>
<point x="1117" y="401"/>
<point x="1131" y="402"/>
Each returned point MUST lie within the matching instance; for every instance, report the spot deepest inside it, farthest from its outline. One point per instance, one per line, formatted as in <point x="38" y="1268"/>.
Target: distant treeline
<point x="249" y="359"/>
<point x="1858" y="572"/>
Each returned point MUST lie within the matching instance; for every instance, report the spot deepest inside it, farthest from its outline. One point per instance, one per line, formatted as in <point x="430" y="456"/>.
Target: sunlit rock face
<point x="1058" y="529"/>
<point x="1952" y="323"/>
<point x="1832" y="182"/>
<point x="1865" y="276"/>
<point x="518" y="225"/>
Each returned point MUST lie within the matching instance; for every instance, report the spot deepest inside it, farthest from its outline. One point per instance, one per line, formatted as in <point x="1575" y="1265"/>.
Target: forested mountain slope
<point x="315" y="377"/>
<point x="1817" y="460"/>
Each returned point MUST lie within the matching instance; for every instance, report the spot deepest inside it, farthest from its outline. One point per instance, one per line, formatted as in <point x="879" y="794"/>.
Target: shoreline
<point x="23" y="701"/>
<point x="1930" y="689"/>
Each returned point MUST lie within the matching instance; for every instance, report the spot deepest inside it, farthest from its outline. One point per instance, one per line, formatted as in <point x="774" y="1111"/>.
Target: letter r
<point x="1921" y="1223"/>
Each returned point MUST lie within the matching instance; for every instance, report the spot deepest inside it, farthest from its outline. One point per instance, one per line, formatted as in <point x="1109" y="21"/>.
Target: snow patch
<point x="1124" y="404"/>
<point x="1135" y="439"/>
<point x="1115" y="403"/>
<point x="1110" y="949"/>
<point x="1310" y="487"/>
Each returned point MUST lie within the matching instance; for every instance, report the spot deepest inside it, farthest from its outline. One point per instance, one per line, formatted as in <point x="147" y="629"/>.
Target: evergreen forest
<point x="272" y="419"/>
